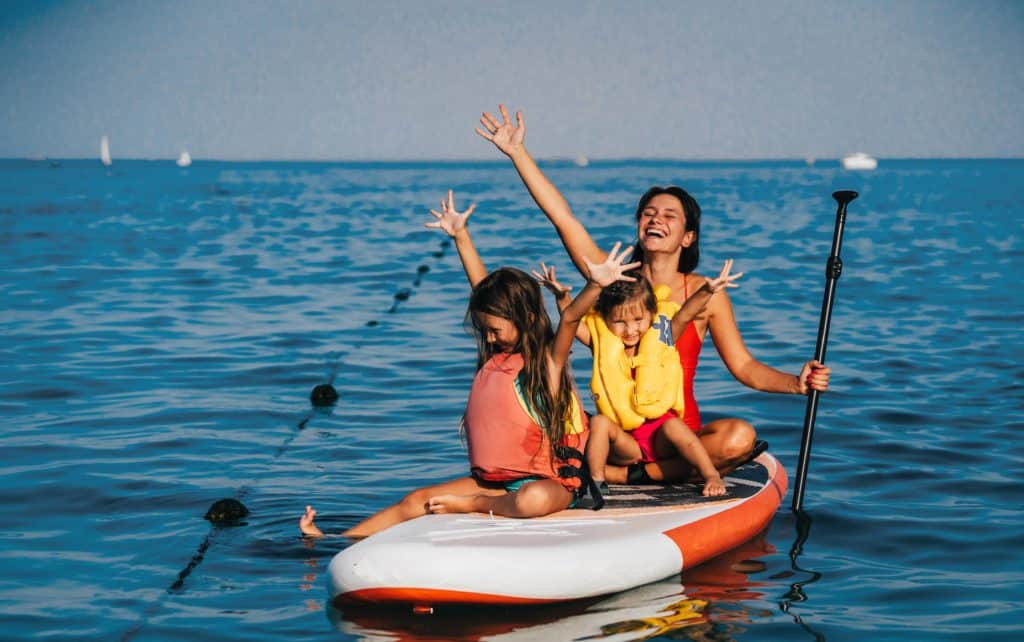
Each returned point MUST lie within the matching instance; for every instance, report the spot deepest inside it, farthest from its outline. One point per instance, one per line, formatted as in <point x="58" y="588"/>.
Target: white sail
<point x="184" y="160"/>
<point x="859" y="160"/>
<point x="105" y="151"/>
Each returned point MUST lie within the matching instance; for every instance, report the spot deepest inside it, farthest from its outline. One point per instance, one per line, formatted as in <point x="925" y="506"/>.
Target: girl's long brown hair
<point x="515" y="296"/>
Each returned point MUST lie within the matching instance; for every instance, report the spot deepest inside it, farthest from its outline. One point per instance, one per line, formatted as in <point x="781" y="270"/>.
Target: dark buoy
<point x="323" y="395"/>
<point x="402" y="295"/>
<point x="372" y="323"/>
<point x="226" y="512"/>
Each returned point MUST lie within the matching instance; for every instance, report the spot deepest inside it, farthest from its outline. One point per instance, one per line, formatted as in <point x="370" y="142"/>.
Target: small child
<point x="637" y="378"/>
<point x="522" y="409"/>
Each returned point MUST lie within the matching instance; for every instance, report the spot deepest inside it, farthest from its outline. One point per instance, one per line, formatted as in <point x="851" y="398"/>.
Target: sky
<point x="385" y="80"/>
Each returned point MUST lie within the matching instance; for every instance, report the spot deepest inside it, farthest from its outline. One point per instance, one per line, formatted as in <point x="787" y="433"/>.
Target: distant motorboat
<point x="105" y="151"/>
<point x="581" y="161"/>
<point x="859" y="160"/>
<point x="184" y="160"/>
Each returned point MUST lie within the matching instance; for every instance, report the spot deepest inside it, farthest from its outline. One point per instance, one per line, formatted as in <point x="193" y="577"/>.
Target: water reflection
<point x="796" y="593"/>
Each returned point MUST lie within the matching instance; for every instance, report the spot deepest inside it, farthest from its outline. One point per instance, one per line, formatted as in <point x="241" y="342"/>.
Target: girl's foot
<point x="306" y="524"/>
<point x="450" y="504"/>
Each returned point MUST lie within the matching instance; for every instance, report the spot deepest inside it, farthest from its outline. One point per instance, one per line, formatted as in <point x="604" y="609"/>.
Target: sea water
<point x="163" y="329"/>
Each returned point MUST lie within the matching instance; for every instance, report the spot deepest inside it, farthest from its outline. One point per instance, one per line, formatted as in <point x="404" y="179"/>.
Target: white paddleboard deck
<point x="643" y="534"/>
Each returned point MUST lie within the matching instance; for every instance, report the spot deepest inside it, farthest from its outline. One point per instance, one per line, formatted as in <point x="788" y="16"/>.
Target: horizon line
<point x="550" y="159"/>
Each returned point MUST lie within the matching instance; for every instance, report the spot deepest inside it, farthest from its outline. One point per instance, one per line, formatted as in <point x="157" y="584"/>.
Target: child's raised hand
<point x="546" y="277"/>
<point x="612" y="270"/>
<point x="724" y="279"/>
<point x="450" y="220"/>
<point x="504" y="136"/>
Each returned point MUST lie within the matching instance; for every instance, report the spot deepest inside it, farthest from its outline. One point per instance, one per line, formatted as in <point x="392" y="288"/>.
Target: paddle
<point x="832" y="271"/>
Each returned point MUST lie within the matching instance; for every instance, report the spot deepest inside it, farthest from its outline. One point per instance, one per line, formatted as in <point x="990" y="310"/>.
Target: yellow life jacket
<point x="657" y="385"/>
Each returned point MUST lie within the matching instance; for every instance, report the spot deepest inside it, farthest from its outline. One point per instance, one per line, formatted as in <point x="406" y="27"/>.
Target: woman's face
<point x="662" y="225"/>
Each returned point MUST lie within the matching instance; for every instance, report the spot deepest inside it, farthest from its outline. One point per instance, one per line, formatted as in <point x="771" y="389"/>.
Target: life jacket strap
<point x="576" y="473"/>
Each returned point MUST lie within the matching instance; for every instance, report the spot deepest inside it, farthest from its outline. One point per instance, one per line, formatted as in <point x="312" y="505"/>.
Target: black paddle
<point x="832" y="271"/>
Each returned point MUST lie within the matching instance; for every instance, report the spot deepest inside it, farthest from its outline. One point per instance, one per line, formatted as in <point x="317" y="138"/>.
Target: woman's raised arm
<point x="510" y="140"/>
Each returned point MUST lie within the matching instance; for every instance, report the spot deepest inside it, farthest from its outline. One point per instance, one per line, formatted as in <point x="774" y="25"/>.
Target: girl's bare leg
<point x="728" y="441"/>
<point x="608" y="445"/>
<point x="534" y="499"/>
<point x="415" y="505"/>
<point x="675" y="438"/>
<point x="412" y="505"/>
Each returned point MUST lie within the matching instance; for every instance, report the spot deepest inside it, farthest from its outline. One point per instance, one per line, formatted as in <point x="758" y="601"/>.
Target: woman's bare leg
<point x="728" y="442"/>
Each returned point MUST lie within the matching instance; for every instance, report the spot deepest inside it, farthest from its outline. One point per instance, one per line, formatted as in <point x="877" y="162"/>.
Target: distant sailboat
<point x="105" y="151"/>
<point x="859" y="160"/>
<point x="184" y="160"/>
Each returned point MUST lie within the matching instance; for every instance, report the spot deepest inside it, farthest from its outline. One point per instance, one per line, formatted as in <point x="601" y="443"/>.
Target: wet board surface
<point x="643" y="534"/>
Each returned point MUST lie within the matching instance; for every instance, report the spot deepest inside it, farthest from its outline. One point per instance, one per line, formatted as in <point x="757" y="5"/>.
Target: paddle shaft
<point x="833" y="269"/>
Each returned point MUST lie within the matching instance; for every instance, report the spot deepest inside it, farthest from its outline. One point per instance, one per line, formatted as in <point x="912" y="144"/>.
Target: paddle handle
<point x="833" y="269"/>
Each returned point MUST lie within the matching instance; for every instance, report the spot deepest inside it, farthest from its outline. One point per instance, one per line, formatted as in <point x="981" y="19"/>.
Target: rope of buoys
<point x="229" y="512"/>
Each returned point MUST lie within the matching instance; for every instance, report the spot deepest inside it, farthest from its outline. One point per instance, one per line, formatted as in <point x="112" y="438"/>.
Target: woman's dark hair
<point x="515" y="296"/>
<point x="622" y="292"/>
<point x="690" y="256"/>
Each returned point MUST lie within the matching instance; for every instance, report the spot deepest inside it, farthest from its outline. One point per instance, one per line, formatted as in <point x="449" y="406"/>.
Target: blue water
<point x="163" y="328"/>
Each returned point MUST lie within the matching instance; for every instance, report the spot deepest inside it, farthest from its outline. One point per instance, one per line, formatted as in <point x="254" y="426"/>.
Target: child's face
<point x="499" y="333"/>
<point x="629" y="322"/>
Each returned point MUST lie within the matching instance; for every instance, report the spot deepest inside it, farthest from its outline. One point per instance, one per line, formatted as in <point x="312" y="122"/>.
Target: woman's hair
<point x="690" y="256"/>
<point x="623" y="292"/>
<point x="515" y="296"/>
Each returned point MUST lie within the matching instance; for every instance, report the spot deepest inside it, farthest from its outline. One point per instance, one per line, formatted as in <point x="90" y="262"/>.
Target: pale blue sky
<point x="408" y="80"/>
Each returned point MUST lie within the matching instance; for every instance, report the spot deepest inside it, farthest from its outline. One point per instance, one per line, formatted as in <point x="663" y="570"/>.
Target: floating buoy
<point x="323" y="395"/>
<point x="226" y="512"/>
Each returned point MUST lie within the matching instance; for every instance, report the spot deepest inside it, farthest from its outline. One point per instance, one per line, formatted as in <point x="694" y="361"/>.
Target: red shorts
<point x="645" y="432"/>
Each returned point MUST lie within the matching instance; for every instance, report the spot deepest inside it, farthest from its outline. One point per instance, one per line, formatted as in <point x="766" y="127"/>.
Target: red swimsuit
<point x="688" y="346"/>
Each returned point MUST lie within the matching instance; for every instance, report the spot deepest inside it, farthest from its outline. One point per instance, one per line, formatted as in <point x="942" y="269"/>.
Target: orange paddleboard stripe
<point x="715" y="534"/>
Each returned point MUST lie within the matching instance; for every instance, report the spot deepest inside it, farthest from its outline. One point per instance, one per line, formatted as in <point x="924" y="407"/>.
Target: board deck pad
<point x="740" y="483"/>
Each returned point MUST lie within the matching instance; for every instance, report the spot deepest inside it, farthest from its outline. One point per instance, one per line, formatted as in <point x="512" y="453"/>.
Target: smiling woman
<point x="668" y="242"/>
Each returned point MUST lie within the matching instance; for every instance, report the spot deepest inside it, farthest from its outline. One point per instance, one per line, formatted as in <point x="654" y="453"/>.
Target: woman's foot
<point x="306" y="524"/>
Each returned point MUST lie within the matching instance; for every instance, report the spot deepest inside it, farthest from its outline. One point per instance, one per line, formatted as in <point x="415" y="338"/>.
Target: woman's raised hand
<point x="504" y="136"/>
<point x="724" y="279"/>
<point x="546" y="277"/>
<point x="449" y="220"/>
<point x="612" y="269"/>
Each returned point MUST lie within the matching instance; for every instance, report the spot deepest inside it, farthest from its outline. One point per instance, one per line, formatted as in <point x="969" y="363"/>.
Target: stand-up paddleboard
<point x="643" y="534"/>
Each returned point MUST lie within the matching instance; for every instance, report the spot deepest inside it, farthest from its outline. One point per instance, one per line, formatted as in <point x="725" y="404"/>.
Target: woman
<point x="668" y="235"/>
